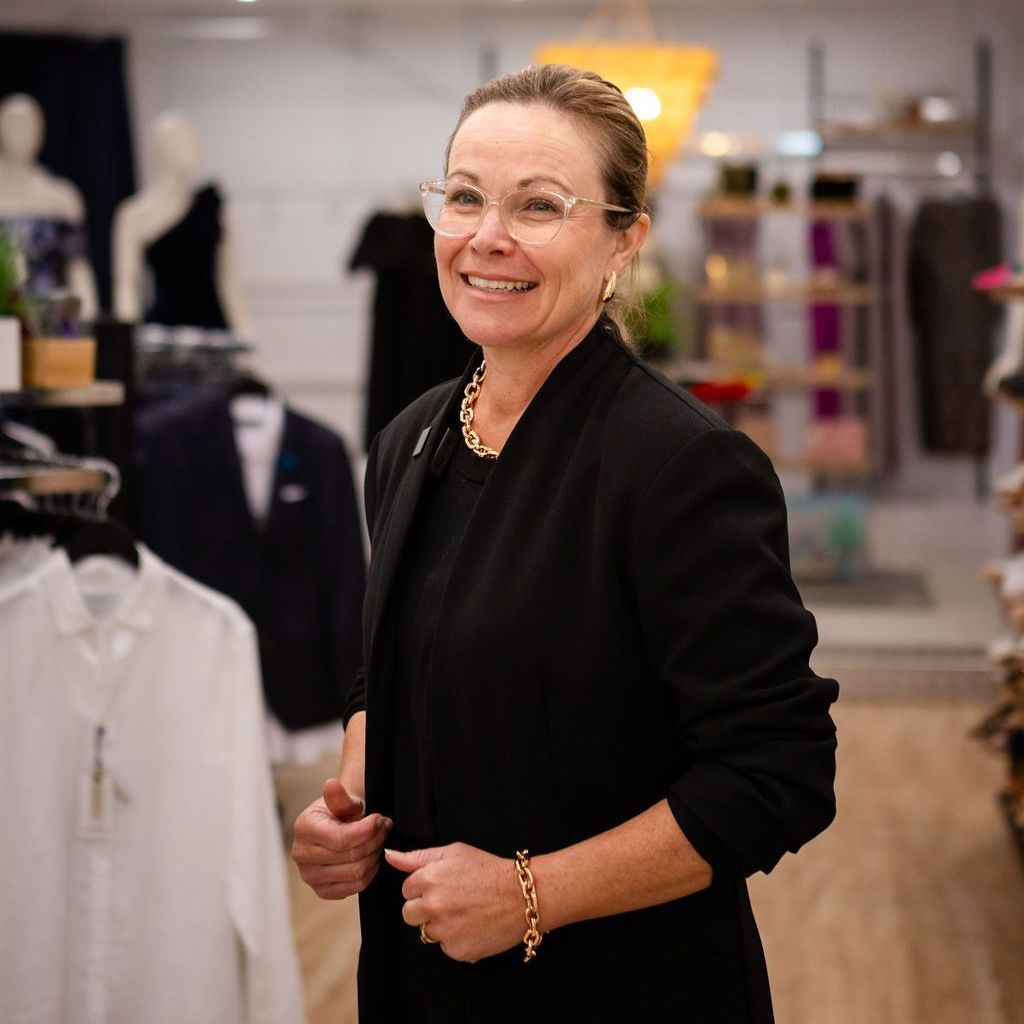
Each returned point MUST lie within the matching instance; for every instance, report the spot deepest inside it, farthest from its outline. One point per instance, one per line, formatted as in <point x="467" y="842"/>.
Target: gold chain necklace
<point x="470" y="395"/>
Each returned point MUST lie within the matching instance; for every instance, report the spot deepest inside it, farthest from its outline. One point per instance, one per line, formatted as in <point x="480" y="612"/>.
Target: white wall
<point x="312" y="126"/>
<point x="325" y="119"/>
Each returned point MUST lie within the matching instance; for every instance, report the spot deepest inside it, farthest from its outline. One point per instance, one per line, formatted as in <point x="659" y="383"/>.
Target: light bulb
<point x="645" y="102"/>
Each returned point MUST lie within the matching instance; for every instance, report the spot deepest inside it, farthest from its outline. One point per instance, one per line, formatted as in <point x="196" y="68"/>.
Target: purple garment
<point x="49" y="245"/>
<point x="826" y="320"/>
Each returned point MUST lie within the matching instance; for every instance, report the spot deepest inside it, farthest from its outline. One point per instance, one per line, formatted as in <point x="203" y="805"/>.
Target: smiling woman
<point x="586" y="712"/>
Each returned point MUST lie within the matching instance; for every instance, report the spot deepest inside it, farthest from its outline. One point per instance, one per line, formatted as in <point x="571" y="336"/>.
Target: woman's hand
<point x="337" y="845"/>
<point x="469" y="900"/>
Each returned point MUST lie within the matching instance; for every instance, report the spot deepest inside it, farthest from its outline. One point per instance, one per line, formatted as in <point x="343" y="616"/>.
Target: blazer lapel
<point x="288" y="468"/>
<point x="395" y="530"/>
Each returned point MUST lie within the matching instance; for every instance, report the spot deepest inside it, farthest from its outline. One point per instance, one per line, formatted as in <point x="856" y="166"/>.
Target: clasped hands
<point x="468" y="899"/>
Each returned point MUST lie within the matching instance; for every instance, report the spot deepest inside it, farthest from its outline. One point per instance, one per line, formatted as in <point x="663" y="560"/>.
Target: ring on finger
<point x="425" y="936"/>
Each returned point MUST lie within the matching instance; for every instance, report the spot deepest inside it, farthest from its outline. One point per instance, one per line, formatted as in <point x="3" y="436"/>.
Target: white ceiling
<point x="76" y="12"/>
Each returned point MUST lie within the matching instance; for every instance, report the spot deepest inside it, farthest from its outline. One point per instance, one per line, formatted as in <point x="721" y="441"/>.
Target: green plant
<point x="653" y="325"/>
<point x="13" y="300"/>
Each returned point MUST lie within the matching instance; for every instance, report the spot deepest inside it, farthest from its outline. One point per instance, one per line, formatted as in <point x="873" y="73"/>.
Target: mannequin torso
<point x="159" y="208"/>
<point x="40" y="209"/>
<point x="31" y="191"/>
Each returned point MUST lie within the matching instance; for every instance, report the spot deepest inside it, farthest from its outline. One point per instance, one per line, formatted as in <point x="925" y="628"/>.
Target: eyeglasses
<point x="532" y="216"/>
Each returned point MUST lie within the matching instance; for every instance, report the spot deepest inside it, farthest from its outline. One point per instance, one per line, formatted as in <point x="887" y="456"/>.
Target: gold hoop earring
<point x="609" y="288"/>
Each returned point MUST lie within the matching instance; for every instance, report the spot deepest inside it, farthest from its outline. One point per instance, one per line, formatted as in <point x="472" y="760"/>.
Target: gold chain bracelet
<point x="532" y="938"/>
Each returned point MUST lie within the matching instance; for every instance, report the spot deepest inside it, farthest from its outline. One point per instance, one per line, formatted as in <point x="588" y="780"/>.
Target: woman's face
<point x="500" y="147"/>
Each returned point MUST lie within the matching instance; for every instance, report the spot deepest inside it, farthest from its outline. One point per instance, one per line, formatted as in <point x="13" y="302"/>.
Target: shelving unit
<point x="827" y="372"/>
<point x="1009" y="713"/>
<point x="970" y="138"/>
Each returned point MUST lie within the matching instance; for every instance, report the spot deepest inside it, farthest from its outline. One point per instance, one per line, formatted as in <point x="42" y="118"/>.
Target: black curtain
<point x="80" y="84"/>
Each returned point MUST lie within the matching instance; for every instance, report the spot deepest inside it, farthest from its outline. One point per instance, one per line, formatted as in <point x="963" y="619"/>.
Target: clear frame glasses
<point x="532" y="216"/>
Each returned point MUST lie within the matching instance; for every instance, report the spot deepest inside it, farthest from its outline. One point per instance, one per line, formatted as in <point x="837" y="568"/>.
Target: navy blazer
<point x="299" y="577"/>
<point x="620" y="627"/>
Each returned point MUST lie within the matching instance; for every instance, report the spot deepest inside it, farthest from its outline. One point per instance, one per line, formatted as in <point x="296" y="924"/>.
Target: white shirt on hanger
<point x="18" y="555"/>
<point x="259" y="425"/>
<point x="162" y="898"/>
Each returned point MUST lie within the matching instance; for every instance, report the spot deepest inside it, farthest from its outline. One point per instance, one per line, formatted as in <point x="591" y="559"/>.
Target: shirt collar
<point x="136" y="610"/>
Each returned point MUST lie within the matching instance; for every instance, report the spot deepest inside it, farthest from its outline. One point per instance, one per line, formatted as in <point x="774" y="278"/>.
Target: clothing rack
<point x="971" y="139"/>
<point x="1002" y="729"/>
<point x="31" y="466"/>
<point x="186" y="356"/>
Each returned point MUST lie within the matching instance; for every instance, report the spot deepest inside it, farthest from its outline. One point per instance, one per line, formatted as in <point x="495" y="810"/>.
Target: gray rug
<point x="908" y="673"/>
<point x="871" y="590"/>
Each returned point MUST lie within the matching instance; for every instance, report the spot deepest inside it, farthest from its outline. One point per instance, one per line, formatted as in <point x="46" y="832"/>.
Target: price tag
<point x="96" y="807"/>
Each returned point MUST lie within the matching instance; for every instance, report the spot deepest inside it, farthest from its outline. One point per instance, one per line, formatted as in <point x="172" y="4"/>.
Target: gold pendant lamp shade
<point x="665" y="83"/>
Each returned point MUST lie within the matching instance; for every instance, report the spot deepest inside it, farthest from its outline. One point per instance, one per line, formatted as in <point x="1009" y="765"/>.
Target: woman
<point x="582" y="639"/>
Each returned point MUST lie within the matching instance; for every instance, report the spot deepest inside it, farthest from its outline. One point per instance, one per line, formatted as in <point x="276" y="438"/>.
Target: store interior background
<point x="314" y="115"/>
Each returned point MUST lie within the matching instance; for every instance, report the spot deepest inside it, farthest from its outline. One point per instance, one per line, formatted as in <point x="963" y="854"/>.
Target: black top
<point x="445" y="508"/>
<point x="184" y="264"/>
<point x="619" y="628"/>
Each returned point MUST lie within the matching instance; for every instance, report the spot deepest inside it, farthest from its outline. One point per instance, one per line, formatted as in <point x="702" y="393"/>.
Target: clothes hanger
<point x="246" y="382"/>
<point x="79" y="533"/>
<point x="80" y="536"/>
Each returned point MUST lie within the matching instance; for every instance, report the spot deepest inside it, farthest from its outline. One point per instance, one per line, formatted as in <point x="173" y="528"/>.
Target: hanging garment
<point x="299" y="576"/>
<point x="259" y="425"/>
<point x="954" y="326"/>
<point x="183" y="261"/>
<point x="163" y="898"/>
<point x="18" y="556"/>
<point x="416" y="343"/>
<point x="891" y="352"/>
<point x="49" y="246"/>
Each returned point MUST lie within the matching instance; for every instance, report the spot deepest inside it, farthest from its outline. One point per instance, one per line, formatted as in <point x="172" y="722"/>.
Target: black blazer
<point x="620" y="626"/>
<point x="300" y="577"/>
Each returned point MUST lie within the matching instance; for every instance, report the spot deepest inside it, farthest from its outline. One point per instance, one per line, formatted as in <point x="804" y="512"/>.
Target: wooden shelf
<point x="780" y="378"/>
<point x="822" y="468"/>
<point x="805" y="378"/>
<point x="52" y="480"/>
<point x="1011" y="293"/>
<point x="841" y="295"/>
<point x="735" y="208"/>
<point x="910" y="139"/>
<point x="99" y="393"/>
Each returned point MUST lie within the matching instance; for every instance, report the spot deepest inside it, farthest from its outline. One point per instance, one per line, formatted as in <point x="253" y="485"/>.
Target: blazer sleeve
<point x="725" y="629"/>
<point x="357" y="695"/>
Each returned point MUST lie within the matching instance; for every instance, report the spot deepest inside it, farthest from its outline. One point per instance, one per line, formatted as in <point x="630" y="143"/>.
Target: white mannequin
<point x="28" y="190"/>
<point x="150" y="213"/>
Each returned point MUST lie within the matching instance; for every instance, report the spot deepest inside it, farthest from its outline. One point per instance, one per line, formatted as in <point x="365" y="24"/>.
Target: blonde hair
<point x="601" y="110"/>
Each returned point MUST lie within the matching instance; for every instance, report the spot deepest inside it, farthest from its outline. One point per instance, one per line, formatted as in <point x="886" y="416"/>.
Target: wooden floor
<point x="911" y="907"/>
<point x="909" y="910"/>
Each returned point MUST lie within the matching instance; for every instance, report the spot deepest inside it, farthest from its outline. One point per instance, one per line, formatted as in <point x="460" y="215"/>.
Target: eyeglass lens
<point x="531" y="215"/>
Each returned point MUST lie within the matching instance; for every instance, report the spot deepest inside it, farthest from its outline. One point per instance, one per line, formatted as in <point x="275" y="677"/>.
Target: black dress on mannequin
<point x="416" y="343"/>
<point x="184" y="265"/>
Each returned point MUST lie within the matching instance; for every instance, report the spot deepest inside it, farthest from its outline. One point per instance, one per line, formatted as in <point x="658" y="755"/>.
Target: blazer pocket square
<point x="291" y="493"/>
